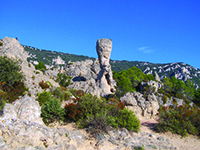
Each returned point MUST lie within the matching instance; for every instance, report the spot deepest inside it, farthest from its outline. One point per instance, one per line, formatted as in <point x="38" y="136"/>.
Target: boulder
<point x="141" y="105"/>
<point x="128" y="99"/>
<point x="24" y="108"/>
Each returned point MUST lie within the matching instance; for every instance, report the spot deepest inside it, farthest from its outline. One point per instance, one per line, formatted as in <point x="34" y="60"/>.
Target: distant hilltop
<point x="180" y="70"/>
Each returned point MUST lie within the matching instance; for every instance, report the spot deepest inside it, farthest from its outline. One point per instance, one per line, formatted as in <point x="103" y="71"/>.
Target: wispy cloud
<point x="146" y="50"/>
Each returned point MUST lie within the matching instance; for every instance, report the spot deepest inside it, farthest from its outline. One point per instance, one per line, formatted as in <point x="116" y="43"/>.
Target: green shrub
<point x="77" y="93"/>
<point x="127" y="119"/>
<point x="63" y="79"/>
<point x="3" y="96"/>
<point x="1" y="43"/>
<point x="58" y="93"/>
<point x="44" y="97"/>
<point x="10" y="71"/>
<point x="97" y="113"/>
<point x="181" y="120"/>
<point x="51" y="111"/>
<point x="197" y="97"/>
<point x="13" y="92"/>
<point x="73" y="111"/>
<point x="40" y="66"/>
<point x="164" y="99"/>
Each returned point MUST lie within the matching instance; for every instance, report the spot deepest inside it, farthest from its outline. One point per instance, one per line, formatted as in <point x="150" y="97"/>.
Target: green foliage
<point x="3" y="97"/>
<point x="149" y="77"/>
<point x="181" y="120"/>
<point x="63" y="79"/>
<point x="66" y="134"/>
<point x="197" y="97"/>
<point x="178" y="88"/>
<point x="139" y="148"/>
<point x="58" y="93"/>
<point x="44" y="97"/>
<point x="91" y="111"/>
<point x="127" y="119"/>
<point x="10" y="71"/>
<point x="49" y="83"/>
<point x="51" y="111"/>
<point x="40" y="66"/>
<point x="167" y="84"/>
<point x="11" y="80"/>
<point x="1" y="43"/>
<point x="77" y="93"/>
<point x="189" y="90"/>
<point x="128" y="81"/>
<point x="164" y="99"/>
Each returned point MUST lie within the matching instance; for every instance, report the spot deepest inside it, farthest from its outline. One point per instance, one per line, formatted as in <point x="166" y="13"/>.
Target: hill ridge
<point x="180" y="70"/>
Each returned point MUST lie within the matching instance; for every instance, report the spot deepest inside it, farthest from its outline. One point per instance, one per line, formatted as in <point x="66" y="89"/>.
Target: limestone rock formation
<point x="93" y="77"/>
<point x="13" y="49"/>
<point x="146" y="107"/>
<point x="104" y="48"/>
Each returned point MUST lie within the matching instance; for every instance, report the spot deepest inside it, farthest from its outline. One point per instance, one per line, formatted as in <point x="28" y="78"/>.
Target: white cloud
<point x="146" y="50"/>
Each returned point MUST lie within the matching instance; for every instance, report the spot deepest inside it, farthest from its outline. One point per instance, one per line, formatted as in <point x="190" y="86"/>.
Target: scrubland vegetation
<point x="97" y="114"/>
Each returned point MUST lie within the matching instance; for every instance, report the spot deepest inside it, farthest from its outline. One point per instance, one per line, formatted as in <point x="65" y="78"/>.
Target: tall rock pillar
<point x="105" y="80"/>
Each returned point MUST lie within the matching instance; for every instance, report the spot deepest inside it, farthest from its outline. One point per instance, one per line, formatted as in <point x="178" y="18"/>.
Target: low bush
<point x="77" y="93"/>
<point x="44" y="97"/>
<point x="126" y="118"/>
<point x="73" y="111"/>
<point x="13" y="92"/>
<point x="10" y="71"/>
<point x="63" y="79"/>
<point x="40" y="66"/>
<point x="51" y="111"/>
<point x="3" y="96"/>
<point x="58" y="93"/>
<point x="90" y="111"/>
<point x="181" y="120"/>
<point x="164" y="99"/>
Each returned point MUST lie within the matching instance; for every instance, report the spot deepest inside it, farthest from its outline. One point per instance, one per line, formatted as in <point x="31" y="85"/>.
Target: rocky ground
<point x="146" y="137"/>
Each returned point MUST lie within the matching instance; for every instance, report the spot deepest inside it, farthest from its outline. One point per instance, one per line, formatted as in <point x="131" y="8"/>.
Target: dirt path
<point x="147" y="125"/>
<point x="188" y="143"/>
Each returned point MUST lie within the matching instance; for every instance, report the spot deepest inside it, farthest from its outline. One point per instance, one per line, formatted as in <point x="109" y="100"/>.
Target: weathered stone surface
<point x="104" y="48"/>
<point x="13" y="49"/>
<point x="145" y="106"/>
<point x="93" y="77"/>
<point x="24" y="108"/>
<point x="129" y="99"/>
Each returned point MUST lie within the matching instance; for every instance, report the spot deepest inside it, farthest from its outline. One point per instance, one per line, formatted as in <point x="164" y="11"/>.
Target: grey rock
<point x="129" y="99"/>
<point x="104" y="48"/>
<point x="93" y="77"/>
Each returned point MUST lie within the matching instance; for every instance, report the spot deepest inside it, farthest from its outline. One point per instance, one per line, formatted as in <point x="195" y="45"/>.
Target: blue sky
<point x="157" y="31"/>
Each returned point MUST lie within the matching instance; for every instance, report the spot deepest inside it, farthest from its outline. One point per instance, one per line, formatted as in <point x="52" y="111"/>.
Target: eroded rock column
<point x="105" y="80"/>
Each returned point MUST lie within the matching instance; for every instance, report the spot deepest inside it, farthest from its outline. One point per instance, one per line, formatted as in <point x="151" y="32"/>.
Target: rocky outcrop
<point x="141" y="105"/>
<point x="105" y="80"/>
<point x="13" y="49"/>
<point x="93" y="77"/>
<point x="58" y="61"/>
